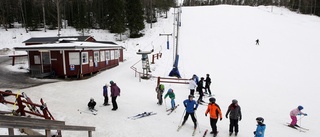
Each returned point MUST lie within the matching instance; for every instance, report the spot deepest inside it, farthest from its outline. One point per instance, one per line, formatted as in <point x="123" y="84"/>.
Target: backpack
<point x="161" y="87"/>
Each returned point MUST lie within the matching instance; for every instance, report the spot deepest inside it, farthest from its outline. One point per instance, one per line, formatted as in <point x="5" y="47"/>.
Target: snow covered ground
<point x="268" y="80"/>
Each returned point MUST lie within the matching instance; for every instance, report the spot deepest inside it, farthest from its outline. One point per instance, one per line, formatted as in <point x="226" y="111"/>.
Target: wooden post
<point x="13" y="60"/>
<point x="48" y="133"/>
<point x="11" y="131"/>
<point x="152" y="62"/>
<point x="158" y="81"/>
<point x="89" y="133"/>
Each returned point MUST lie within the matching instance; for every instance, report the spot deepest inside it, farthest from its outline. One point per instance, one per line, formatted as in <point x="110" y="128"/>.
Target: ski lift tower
<point x="145" y="63"/>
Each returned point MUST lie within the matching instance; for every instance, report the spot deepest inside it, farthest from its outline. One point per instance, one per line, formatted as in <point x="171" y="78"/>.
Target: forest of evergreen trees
<point x="117" y="16"/>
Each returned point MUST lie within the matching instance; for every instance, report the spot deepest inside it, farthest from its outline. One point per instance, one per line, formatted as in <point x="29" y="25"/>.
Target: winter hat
<point x="259" y="119"/>
<point x="91" y="99"/>
<point x="111" y="82"/>
<point x="212" y="100"/>
<point x="170" y="90"/>
<point x="190" y="96"/>
<point x="234" y="101"/>
<point x="202" y="77"/>
<point x="300" y="107"/>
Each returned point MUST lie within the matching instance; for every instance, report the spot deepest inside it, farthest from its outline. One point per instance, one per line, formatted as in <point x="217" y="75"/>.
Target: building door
<point x="46" y="62"/>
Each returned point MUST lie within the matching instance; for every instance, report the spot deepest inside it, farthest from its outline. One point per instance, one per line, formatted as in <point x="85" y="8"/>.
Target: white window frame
<point x="102" y="56"/>
<point x="85" y="57"/>
<point x="96" y="56"/>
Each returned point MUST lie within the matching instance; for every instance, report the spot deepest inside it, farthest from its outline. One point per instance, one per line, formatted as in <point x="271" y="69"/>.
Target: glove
<point x="195" y="109"/>
<point x="226" y="116"/>
<point x="240" y="118"/>
<point x="305" y="114"/>
<point x="220" y="119"/>
<point x="205" y="114"/>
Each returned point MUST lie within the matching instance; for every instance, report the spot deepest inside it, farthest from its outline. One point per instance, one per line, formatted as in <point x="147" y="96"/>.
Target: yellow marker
<point x="15" y="103"/>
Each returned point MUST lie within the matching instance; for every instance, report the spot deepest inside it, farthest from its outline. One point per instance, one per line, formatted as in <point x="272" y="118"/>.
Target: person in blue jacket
<point x="191" y="106"/>
<point x="260" y="127"/>
<point x="105" y="95"/>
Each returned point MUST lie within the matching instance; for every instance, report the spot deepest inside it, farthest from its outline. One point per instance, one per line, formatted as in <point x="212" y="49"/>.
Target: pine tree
<point x="135" y="18"/>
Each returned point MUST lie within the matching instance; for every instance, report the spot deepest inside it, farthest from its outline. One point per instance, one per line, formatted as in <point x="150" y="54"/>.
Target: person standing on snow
<point x="191" y="106"/>
<point x="200" y="90"/>
<point x="215" y="114"/>
<point x="115" y="92"/>
<point x="195" y="78"/>
<point x="192" y="86"/>
<point x="235" y="116"/>
<point x="172" y="96"/>
<point x="159" y="90"/>
<point x="105" y="95"/>
<point x="293" y="115"/>
<point x="91" y="104"/>
<point x="207" y="85"/>
<point x="260" y="127"/>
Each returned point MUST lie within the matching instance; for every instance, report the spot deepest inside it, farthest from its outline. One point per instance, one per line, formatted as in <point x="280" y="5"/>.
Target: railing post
<point x="11" y="131"/>
<point x="48" y="133"/>
<point x="158" y="81"/>
<point x="89" y="133"/>
<point x="152" y="62"/>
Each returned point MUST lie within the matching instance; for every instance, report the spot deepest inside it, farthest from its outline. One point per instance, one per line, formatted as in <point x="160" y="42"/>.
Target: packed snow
<point x="268" y="80"/>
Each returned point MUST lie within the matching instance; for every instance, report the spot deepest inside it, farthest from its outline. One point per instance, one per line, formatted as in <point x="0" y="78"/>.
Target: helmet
<point x="300" y="107"/>
<point x="260" y="119"/>
<point x="170" y="90"/>
<point x="208" y="75"/>
<point x="91" y="99"/>
<point x="234" y="101"/>
<point x="202" y="77"/>
<point x="212" y="100"/>
<point x="190" y="96"/>
<point x="111" y="82"/>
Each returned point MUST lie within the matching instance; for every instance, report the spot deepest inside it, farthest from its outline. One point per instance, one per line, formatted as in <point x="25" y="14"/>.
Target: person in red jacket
<point x="215" y="114"/>
<point x="115" y="92"/>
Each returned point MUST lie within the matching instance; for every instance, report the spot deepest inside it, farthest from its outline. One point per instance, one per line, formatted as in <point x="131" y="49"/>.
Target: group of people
<point x="115" y="92"/>
<point x="196" y="85"/>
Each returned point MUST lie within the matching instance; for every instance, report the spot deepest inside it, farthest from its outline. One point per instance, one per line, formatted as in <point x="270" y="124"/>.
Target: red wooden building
<point x="67" y="57"/>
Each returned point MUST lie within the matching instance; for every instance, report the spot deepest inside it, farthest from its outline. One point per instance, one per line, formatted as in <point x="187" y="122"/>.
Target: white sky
<point x="268" y="80"/>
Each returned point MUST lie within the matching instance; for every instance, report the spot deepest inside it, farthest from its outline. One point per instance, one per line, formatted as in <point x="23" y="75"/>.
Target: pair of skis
<point x="91" y="111"/>
<point x="142" y="115"/>
<point x="193" y="133"/>
<point x="299" y="128"/>
<point x="171" y="110"/>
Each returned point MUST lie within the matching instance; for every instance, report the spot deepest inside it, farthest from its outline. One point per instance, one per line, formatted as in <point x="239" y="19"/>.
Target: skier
<point x="192" y="86"/>
<point x="293" y="115"/>
<point x="172" y="96"/>
<point x="200" y="90"/>
<point x="105" y="95"/>
<point x="260" y="127"/>
<point x="91" y="104"/>
<point x="191" y="107"/>
<point x="160" y="90"/>
<point x="195" y="78"/>
<point x="215" y="114"/>
<point x="207" y="85"/>
<point x="257" y="42"/>
<point x="235" y="116"/>
<point x="115" y="92"/>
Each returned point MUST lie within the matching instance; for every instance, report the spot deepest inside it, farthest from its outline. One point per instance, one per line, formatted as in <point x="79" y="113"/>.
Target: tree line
<point x="117" y="16"/>
<point x="301" y="6"/>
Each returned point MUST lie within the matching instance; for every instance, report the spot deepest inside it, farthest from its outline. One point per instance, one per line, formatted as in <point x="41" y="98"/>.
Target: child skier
<point x="172" y="97"/>
<point x="293" y="115"/>
<point x="91" y="104"/>
<point x="260" y="127"/>
<point x="105" y="95"/>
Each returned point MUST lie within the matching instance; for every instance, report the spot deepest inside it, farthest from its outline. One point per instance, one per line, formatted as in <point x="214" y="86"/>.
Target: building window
<point x="96" y="56"/>
<point x="85" y="58"/>
<point x="45" y="58"/>
<point x="74" y="58"/>
<point x="36" y="59"/>
<point x="117" y="54"/>
<point x="102" y="56"/>
<point x="112" y="54"/>
<point x="107" y="55"/>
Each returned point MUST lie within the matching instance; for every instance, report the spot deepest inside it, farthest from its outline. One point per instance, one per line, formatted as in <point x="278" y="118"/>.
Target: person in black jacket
<point x="91" y="104"/>
<point x="208" y="83"/>
<point x="235" y="116"/>
<point x="200" y="90"/>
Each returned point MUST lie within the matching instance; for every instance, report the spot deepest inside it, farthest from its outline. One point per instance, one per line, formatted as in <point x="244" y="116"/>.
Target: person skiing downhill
<point x="215" y="114"/>
<point x="293" y="115"/>
<point x="235" y="116"/>
<point x="260" y="127"/>
<point x="191" y="106"/>
<point x="91" y="104"/>
<point x="172" y="96"/>
<point x="115" y="92"/>
<point x="105" y="95"/>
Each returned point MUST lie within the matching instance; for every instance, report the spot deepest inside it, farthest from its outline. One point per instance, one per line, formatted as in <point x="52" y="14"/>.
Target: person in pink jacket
<point x="293" y="115"/>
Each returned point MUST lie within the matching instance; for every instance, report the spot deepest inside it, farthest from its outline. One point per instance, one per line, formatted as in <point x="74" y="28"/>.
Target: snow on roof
<point x="76" y="45"/>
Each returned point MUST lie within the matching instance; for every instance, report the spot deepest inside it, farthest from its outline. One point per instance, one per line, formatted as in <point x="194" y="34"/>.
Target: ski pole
<point x="165" y="103"/>
<point x="182" y="117"/>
